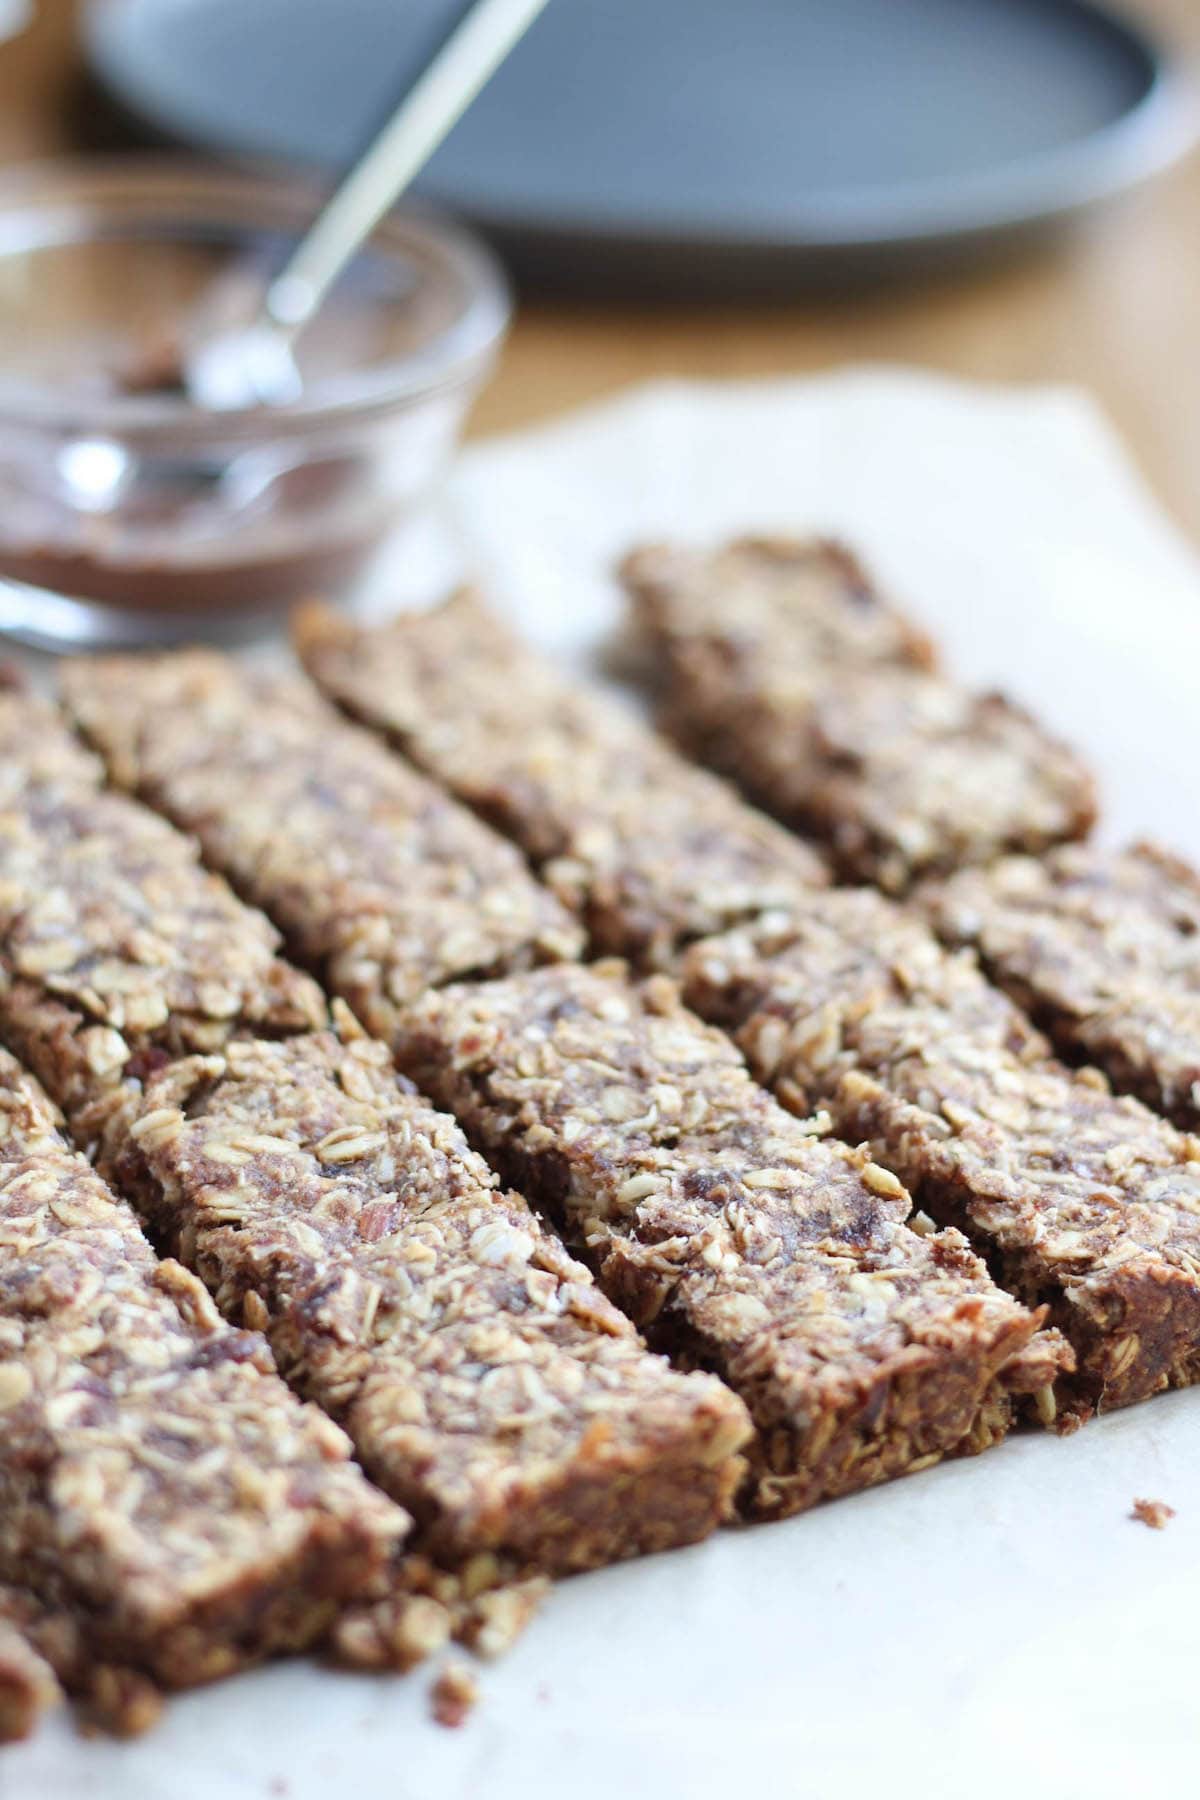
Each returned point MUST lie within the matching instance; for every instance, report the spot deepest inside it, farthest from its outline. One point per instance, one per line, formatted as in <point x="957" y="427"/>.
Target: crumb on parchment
<point x="1154" y="1513"/>
<point x="453" y="1695"/>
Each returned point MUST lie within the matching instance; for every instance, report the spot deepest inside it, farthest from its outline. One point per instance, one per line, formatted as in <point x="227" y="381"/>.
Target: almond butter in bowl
<point x="131" y="515"/>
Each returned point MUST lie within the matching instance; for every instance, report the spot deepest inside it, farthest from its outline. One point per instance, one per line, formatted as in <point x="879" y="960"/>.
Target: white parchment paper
<point x="990" y="1628"/>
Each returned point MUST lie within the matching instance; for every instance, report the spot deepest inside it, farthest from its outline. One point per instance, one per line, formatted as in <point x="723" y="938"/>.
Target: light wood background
<point x="1114" y="306"/>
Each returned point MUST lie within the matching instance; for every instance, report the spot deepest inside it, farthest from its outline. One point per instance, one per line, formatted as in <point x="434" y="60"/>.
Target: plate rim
<point x="1038" y="189"/>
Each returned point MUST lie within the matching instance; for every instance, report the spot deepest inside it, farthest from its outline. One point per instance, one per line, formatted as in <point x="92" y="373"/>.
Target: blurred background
<point x="1000" y="189"/>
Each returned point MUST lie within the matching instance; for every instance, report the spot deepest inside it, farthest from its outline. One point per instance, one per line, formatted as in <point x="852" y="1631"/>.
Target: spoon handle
<point x="467" y="60"/>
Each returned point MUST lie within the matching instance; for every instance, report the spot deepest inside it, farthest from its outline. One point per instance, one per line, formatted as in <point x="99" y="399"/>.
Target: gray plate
<point x="722" y="143"/>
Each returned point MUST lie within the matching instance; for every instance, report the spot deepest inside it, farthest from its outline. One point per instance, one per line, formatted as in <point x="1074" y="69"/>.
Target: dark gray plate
<point x="685" y="142"/>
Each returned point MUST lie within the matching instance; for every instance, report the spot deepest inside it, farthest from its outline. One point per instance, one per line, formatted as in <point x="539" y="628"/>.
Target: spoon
<point x="253" y="364"/>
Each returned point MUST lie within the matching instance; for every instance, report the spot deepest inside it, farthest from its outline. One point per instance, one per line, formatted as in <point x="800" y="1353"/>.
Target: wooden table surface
<point x="1114" y="306"/>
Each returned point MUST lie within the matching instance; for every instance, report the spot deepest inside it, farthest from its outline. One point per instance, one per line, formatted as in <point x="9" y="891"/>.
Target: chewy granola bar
<point x="1103" y="949"/>
<point x="117" y="951"/>
<point x="649" y="851"/>
<point x="381" y="883"/>
<point x="484" y="1381"/>
<point x="1082" y="1201"/>
<point x="158" y="1482"/>
<point x="810" y="599"/>
<point x="788" y="674"/>
<point x="733" y="1236"/>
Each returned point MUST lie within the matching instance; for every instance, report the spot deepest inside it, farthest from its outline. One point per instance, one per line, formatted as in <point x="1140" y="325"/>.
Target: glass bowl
<point x="127" y="514"/>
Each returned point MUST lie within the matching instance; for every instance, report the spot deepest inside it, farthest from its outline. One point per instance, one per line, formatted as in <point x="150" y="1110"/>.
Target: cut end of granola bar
<point x="28" y="1688"/>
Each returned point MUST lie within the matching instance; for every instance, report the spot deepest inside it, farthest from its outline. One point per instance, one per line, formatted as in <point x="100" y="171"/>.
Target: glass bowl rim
<point x="85" y="187"/>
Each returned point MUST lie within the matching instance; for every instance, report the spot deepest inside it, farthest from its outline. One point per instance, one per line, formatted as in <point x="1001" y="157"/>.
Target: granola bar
<point x="117" y="951"/>
<point x="809" y="598"/>
<point x="738" y="1240"/>
<point x="647" y="850"/>
<point x="817" y="703"/>
<point x="1103" y="949"/>
<point x="380" y="882"/>
<point x="158" y="1482"/>
<point x="484" y="1381"/>
<point x="1081" y="1200"/>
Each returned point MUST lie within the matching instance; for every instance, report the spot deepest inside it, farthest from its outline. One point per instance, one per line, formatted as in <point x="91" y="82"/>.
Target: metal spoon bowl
<point x="254" y="364"/>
